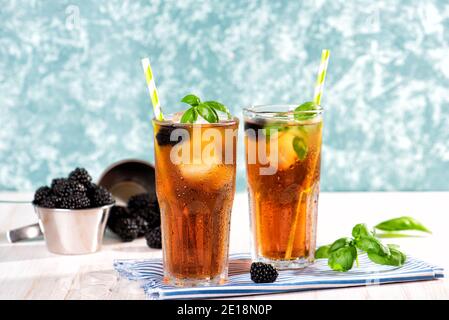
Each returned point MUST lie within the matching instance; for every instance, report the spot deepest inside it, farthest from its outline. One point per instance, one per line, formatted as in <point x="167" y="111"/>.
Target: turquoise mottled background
<point x="72" y="91"/>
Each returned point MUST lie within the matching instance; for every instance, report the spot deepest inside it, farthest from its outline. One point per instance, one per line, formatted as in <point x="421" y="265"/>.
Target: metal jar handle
<point x="31" y="231"/>
<point x="28" y="232"/>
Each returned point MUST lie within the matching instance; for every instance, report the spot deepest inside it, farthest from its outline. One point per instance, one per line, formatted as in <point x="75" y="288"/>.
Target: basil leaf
<point x="400" y="224"/>
<point x="398" y="255"/>
<point x="218" y="106"/>
<point x="300" y="147"/>
<point x="343" y="258"/>
<point x="392" y="246"/>
<point x="306" y="106"/>
<point x="191" y="99"/>
<point x="216" y="115"/>
<point x="340" y="243"/>
<point x="384" y="260"/>
<point x="371" y="244"/>
<point x="273" y="127"/>
<point x="389" y="235"/>
<point x="361" y="230"/>
<point x="207" y="113"/>
<point x="189" y="116"/>
<point x="322" y="252"/>
<point x="396" y="258"/>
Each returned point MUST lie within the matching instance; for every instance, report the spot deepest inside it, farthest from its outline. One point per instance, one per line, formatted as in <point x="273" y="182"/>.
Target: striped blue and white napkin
<point x="316" y="276"/>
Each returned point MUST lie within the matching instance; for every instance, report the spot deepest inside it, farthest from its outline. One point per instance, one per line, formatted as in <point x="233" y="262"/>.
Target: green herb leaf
<point x="306" y="106"/>
<point x="207" y="113"/>
<point x="191" y="99"/>
<point x="396" y="257"/>
<point x="343" y="258"/>
<point x="273" y="127"/>
<point x="389" y="235"/>
<point x="218" y="106"/>
<point x="322" y="252"/>
<point x="361" y="230"/>
<point x="216" y="115"/>
<point x="343" y="252"/>
<point x="400" y="224"/>
<point x="189" y="116"/>
<point x="392" y="246"/>
<point x="340" y="243"/>
<point x="300" y="147"/>
<point x="371" y="244"/>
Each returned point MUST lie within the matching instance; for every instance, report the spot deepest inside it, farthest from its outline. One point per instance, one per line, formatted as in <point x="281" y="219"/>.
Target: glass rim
<point x="254" y="111"/>
<point x="223" y="123"/>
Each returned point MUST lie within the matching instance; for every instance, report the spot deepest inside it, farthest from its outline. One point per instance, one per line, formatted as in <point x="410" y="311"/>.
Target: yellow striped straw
<point x="152" y="89"/>
<point x="321" y="76"/>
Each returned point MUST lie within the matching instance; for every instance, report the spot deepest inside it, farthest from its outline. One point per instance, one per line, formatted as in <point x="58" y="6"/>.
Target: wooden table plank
<point x="29" y="271"/>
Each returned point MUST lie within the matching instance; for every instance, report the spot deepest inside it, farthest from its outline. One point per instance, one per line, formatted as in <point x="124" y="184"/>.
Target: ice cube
<point x="205" y="165"/>
<point x="195" y="171"/>
<point x="222" y="116"/>
<point x="201" y="120"/>
<point x="176" y="117"/>
<point x="285" y="157"/>
<point x="206" y="176"/>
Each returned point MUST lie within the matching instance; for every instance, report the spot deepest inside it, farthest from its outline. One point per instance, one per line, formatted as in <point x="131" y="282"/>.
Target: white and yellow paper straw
<point x="321" y="76"/>
<point x="317" y="100"/>
<point x="152" y="89"/>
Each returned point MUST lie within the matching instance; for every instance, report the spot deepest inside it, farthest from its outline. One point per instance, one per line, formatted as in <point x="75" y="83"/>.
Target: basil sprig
<point x="343" y="258"/>
<point x="343" y="252"/>
<point x="189" y="116"/>
<point x="395" y="258"/>
<point x="322" y="252"/>
<point x="207" y="110"/>
<point x="299" y="113"/>
<point x="300" y="147"/>
<point x="402" y="224"/>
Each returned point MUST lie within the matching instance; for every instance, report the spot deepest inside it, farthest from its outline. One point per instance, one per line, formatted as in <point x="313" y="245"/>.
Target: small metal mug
<point x="81" y="231"/>
<point x="68" y="231"/>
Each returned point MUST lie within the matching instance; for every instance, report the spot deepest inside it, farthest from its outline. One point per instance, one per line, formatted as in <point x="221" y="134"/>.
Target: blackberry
<point x="163" y="136"/>
<point x="80" y="175"/>
<point x="75" y="202"/>
<point x="90" y="189"/>
<point x="42" y="193"/>
<point x="66" y="188"/>
<point x="100" y="196"/>
<point x="74" y="192"/>
<point x="115" y="214"/>
<point x="154" y="239"/>
<point x="145" y="205"/>
<point x="141" y="201"/>
<point x="127" y="229"/>
<point x="256" y="126"/>
<point x="57" y="183"/>
<point x="153" y="217"/>
<point x="143" y="225"/>
<point x="150" y="214"/>
<point x="51" y="201"/>
<point x="263" y="273"/>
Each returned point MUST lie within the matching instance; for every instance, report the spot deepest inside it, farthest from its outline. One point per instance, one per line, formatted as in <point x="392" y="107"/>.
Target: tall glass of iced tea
<point x="283" y="149"/>
<point x="195" y="184"/>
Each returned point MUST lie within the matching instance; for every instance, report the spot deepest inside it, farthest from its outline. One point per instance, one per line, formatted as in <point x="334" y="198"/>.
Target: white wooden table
<point x="29" y="271"/>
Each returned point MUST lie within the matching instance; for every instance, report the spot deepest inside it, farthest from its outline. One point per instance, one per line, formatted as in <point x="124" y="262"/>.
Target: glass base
<point x="299" y="263"/>
<point x="194" y="282"/>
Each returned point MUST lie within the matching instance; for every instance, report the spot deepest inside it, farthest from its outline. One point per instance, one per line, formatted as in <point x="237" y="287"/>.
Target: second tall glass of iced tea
<point x="195" y="184"/>
<point x="283" y="154"/>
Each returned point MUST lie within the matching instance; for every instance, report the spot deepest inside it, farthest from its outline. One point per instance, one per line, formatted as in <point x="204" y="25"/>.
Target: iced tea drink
<point x="283" y="167"/>
<point x="195" y="184"/>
